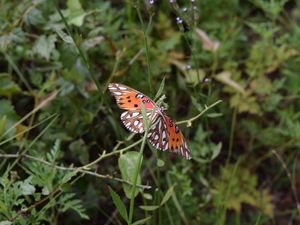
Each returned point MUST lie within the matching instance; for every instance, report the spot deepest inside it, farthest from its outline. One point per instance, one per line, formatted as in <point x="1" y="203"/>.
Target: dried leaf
<point x="225" y="78"/>
<point x="207" y="43"/>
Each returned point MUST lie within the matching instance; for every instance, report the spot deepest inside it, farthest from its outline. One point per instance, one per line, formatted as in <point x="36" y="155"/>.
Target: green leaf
<point x="149" y="207"/>
<point x="55" y="152"/>
<point x="142" y="221"/>
<point x="3" y="209"/>
<point x="80" y="150"/>
<point x="164" y="200"/>
<point x="167" y="195"/>
<point x="214" y="115"/>
<point x="145" y="117"/>
<point x="26" y="187"/>
<point x="68" y="176"/>
<point x="128" y="164"/>
<point x="216" y="150"/>
<point x="119" y="204"/>
<point x="160" y="90"/>
<point x="160" y="163"/>
<point x="44" y="46"/>
<point x="67" y="202"/>
<point x="12" y="117"/>
<point x="7" y="86"/>
<point x="77" y="14"/>
<point x="34" y="17"/>
<point x="2" y="124"/>
<point x="194" y="76"/>
<point x="64" y="36"/>
<point x="6" y="222"/>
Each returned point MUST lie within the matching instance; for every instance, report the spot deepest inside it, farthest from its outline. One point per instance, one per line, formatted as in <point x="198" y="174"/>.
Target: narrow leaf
<point x="149" y="207"/>
<point x="142" y="221"/>
<point x="119" y="204"/>
<point x="160" y="90"/>
<point x="214" y="115"/>
<point x="145" y="117"/>
<point x="167" y="195"/>
<point x="164" y="200"/>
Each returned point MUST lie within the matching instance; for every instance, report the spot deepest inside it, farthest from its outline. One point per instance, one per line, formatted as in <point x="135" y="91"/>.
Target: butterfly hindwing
<point x="158" y="134"/>
<point x="128" y="98"/>
<point x="133" y="120"/>
<point x="177" y="142"/>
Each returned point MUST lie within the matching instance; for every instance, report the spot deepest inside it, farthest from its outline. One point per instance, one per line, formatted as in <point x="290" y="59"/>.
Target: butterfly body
<point x="163" y="134"/>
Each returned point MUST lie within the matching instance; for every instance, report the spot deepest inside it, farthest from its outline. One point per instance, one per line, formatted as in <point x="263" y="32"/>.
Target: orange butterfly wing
<point x="128" y="98"/>
<point x="177" y="142"/>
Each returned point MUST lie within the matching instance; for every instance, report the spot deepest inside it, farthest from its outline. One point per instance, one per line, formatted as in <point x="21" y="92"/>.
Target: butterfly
<point x="163" y="134"/>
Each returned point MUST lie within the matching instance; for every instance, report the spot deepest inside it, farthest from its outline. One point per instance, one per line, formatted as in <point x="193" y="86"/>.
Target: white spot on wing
<point x="136" y="123"/>
<point x="123" y="115"/>
<point x="122" y="88"/>
<point x="117" y="93"/>
<point x="163" y="134"/>
<point x="167" y="146"/>
<point x="156" y="137"/>
<point x="135" y="114"/>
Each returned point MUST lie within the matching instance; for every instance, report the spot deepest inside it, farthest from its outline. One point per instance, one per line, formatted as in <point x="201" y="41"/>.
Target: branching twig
<point x="77" y="169"/>
<point x="189" y="121"/>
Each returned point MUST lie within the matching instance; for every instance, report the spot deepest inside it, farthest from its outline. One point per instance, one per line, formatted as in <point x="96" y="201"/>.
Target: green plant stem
<point x="158" y="196"/>
<point x="222" y="216"/>
<point x="105" y="155"/>
<point x="140" y="159"/>
<point x="231" y="138"/>
<point x="116" y="65"/>
<point x="189" y="121"/>
<point x="145" y="43"/>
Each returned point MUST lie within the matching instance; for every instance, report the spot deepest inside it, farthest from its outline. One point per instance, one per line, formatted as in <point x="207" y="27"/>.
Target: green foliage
<point x="239" y="187"/>
<point x="128" y="164"/>
<point x="61" y="140"/>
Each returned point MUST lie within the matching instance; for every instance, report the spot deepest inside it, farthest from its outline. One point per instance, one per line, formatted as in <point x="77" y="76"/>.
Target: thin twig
<point x="77" y="169"/>
<point x="136" y="56"/>
<point x="189" y="121"/>
<point x="105" y="155"/>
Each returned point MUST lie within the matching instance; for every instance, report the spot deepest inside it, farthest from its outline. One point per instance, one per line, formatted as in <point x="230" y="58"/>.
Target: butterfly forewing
<point x="128" y="98"/>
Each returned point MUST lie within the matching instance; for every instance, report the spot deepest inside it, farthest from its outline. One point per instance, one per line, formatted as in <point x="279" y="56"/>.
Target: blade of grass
<point x="24" y="131"/>
<point x="18" y="72"/>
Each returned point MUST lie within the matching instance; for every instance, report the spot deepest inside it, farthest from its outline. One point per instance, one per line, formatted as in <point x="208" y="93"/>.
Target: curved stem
<point x="189" y="121"/>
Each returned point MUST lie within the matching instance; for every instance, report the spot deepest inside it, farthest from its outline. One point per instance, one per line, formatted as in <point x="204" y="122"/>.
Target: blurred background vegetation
<point x="65" y="155"/>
